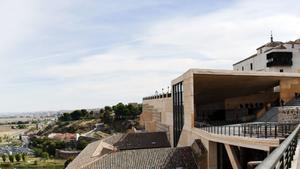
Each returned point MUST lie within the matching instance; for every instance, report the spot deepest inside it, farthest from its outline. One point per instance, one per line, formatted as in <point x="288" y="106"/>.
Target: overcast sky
<point x="83" y="54"/>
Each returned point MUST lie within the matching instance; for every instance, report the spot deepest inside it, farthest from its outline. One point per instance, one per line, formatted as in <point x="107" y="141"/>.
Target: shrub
<point x="68" y="162"/>
<point x="45" y="155"/>
<point x="11" y="158"/>
<point x="3" y="157"/>
<point x="35" y="162"/>
<point x="24" y="158"/>
<point x="18" y="157"/>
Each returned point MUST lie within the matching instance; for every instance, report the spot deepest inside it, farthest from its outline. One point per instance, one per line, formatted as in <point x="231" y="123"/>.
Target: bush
<point x="35" y="162"/>
<point x="3" y="157"/>
<point x="81" y="144"/>
<point x="45" y="155"/>
<point x="11" y="158"/>
<point x="18" y="157"/>
<point x="24" y="158"/>
<point x="68" y="162"/>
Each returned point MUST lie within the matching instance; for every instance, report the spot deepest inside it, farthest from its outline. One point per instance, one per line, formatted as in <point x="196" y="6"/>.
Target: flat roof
<point x="195" y="71"/>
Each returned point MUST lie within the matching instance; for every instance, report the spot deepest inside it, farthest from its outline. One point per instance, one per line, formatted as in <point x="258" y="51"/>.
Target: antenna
<point x="271" y="36"/>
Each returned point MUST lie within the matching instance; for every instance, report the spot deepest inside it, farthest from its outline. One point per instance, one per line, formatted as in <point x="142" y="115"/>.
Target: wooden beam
<point x="232" y="157"/>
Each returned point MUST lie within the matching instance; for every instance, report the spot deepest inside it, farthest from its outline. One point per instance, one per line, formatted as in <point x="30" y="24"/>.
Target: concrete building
<point x="204" y="105"/>
<point x="275" y="56"/>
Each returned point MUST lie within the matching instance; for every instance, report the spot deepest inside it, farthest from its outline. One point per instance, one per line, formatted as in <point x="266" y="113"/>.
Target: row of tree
<point x="119" y="111"/>
<point x="16" y="157"/>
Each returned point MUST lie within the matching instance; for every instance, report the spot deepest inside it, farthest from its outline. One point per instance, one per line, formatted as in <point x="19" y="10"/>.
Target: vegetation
<point x="11" y="158"/>
<point x="4" y="157"/>
<point x="119" y="111"/>
<point x="44" y="144"/>
<point x="18" y="157"/>
<point x="68" y="162"/>
<point x="34" y="163"/>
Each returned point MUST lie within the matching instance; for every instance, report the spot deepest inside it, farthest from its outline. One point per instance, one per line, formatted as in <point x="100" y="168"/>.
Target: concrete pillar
<point x="212" y="155"/>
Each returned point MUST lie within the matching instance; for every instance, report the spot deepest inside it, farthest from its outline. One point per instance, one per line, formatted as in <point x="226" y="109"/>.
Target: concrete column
<point x="212" y="155"/>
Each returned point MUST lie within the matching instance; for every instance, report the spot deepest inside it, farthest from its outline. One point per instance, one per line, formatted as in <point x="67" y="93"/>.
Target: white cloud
<point x="157" y="53"/>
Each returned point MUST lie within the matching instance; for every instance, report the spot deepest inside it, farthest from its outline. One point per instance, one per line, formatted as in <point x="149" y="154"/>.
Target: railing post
<point x="234" y="130"/>
<point x="265" y="130"/>
<point x="275" y="130"/>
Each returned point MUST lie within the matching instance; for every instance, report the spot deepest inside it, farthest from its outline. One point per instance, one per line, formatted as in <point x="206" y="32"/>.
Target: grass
<point x="30" y="164"/>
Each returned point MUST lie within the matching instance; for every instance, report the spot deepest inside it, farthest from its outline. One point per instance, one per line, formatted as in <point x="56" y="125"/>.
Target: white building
<point x="274" y="56"/>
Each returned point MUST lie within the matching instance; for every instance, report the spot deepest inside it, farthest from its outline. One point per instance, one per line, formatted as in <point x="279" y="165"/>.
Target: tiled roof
<point x="113" y="139"/>
<point x="271" y="44"/>
<point x="97" y="149"/>
<point x="85" y="156"/>
<point x="159" y="158"/>
<point x="143" y="140"/>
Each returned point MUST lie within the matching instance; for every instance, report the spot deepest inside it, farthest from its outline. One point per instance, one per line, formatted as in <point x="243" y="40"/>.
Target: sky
<point x="72" y="54"/>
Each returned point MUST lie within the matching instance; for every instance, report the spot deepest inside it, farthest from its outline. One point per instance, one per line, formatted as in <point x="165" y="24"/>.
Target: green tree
<point x="65" y="117"/>
<point x="11" y="158"/>
<point x="3" y="157"/>
<point x="75" y="115"/>
<point x="24" y="157"/>
<point x="81" y="144"/>
<point x="120" y="111"/>
<point x="18" y="157"/>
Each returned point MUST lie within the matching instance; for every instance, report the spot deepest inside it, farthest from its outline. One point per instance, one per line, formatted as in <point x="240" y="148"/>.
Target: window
<point x="281" y="70"/>
<point x="293" y="45"/>
<point x="242" y="68"/>
<point x="251" y="66"/>
<point x="178" y="111"/>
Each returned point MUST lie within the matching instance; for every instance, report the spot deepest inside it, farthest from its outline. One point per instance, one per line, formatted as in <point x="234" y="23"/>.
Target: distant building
<point x="275" y="56"/>
<point x="64" y="136"/>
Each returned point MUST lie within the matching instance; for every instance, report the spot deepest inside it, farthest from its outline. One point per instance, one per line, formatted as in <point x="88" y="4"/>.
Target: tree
<point x="3" y="157"/>
<point x="45" y="155"/>
<point x="120" y="111"/>
<point x="82" y="144"/>
<point x="75" y="115"/>
<point x="18" y="157"/>
<point x="65" y="117"/>
<point x="107" y="118"/>
<point x="11" y="158"/>
<point x="24" y="158"/>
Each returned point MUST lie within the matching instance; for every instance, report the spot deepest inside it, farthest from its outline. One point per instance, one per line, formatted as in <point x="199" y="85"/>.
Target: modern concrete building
<point x="274" y="56"/>
<point x="226" y="110"/>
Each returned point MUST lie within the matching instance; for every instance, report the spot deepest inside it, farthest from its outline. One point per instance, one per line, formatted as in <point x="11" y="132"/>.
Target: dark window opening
<point x="178" y="112"/>
<point x="242" y="68"/>
<point x="279" y="59"/>
<point x="281" y="70"/>
<point x="251" y="66"/>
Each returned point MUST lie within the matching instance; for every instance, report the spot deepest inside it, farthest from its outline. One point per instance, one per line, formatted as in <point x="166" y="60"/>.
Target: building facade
<point x="274" y="56"/>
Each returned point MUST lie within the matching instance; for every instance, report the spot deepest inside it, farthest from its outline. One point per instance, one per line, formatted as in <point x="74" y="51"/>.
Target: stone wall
<point x="289" y="115"/>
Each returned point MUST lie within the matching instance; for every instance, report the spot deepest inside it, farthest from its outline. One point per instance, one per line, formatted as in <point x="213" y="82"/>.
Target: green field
<point x="30" y="164"/>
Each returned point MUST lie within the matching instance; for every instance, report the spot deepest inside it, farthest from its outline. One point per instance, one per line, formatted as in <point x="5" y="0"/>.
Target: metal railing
<point x="282" y="156"/>
<point x="255" y="130"/>
<point x="158" y="96"/>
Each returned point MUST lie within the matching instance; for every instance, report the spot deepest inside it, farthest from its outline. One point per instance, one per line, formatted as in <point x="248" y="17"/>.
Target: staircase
<point x="269" y="116"/>
<point x="294" y="102"/>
